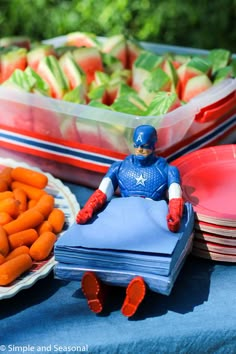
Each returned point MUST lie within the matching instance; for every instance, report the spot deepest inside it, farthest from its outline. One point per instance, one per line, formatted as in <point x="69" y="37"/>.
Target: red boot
<point x="135" y="294"/>
<point x="93" y="291"/>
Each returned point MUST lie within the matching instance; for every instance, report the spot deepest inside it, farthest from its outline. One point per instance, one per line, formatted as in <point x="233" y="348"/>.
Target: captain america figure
<point x="141" y="174"/>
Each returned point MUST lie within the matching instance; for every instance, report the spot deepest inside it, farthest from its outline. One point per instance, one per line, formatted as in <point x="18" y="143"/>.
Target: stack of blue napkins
<point x="128" y="238"/>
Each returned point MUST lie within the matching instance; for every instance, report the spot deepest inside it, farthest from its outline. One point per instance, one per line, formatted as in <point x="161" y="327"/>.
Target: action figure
<point x="145" y="175"/>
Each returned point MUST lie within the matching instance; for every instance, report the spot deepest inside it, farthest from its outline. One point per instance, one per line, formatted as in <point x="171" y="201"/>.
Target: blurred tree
<point x="200" y="23"/>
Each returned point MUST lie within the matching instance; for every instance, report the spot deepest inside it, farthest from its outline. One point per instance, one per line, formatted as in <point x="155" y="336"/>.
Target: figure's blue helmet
<point x="146" y="136"/>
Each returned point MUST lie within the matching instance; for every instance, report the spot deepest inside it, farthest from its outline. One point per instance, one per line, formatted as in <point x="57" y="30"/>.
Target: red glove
<point x="176" y="206"/>
<point x="94" y="204"/>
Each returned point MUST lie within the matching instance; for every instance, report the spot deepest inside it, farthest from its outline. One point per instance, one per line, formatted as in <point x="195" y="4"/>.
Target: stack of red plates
<point x="209" y="184"/>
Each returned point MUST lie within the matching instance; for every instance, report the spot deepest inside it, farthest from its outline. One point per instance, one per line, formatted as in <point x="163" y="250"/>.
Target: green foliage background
<point x="201" y="23"/>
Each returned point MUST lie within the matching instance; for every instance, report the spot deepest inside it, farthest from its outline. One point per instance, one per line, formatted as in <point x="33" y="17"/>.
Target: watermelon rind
<point x="39" y="85"/>
<point x="218" y="58"/>
<point x="19" y="79"/>
<point x="73" y="72"/>
<point x="52" y="73"/>
<point x="76" y="95"/>
<point x="162" y="103"/>
<point x="82" y="39"/>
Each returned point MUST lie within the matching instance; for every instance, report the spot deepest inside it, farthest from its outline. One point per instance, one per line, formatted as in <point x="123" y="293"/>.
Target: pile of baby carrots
<point x="29" y="221"/>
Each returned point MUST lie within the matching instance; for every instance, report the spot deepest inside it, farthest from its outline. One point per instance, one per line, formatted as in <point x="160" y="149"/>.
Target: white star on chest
<point x="140" y="180"/>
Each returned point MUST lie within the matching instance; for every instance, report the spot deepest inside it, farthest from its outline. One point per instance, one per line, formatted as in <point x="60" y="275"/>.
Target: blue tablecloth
<point x="199" y="316"/>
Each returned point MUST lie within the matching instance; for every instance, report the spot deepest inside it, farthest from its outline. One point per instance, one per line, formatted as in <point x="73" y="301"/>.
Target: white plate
<point x="64" y="200"/>
<point x="214" y="247"/>
<point x="214" y="238"/>
<point x="213" y="255"/>
<point x="221" y="230"/>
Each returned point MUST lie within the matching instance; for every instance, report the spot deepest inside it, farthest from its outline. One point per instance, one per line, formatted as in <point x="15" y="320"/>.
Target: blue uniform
<point x="150" y="178"/>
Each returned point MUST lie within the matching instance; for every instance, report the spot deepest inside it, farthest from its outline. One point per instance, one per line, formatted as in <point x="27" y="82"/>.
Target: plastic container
<point x="78" y="143"/>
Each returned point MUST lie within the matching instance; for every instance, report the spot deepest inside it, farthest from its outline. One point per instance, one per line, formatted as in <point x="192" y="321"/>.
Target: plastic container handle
<point x="226" y="106"/>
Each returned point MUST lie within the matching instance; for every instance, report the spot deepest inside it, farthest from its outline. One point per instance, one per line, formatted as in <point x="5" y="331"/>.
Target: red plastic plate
<point x="209" y="183"/>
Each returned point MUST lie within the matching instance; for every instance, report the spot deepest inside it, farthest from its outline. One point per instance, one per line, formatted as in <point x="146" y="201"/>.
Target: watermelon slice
<point x="131" y="104"/>
<point x="233" y="66"/>
<point x="18" y="41"/>
<point x="72" y="71"/>
<point x="116" y="79"/>
<point x="88" y="132"/>
<point x="194" y="67"/>
<point x="20" y="80"/>
<point x="100" y="78"/>
<point x="46" y="122"/>
<point x="143" y="65"/>
<point x="195" y="86"/>
<point x="219" y="58"/>
<point x="169" y="68"/>
<point x="134" y="49"/>
<point x="223" y="73"/>
<point x="157" y="81"/>
<point x="99" y="94"/>
<point x="63" y="50"/>
<point x="90" y="61"/>
<point x="124" y="75"/>
<point x="16" y="115"/>
<point x="77" y="95"/>
<point x="37" y="53"/>
<point x="11" y="60"/>
<point x="178" y="59"/>
<point x="98" y="88"/>
<point x="98" y="104"/>
<point x="68" y="129"/>
<point x="82" y="39"/>
<point x="27" y="80"/>
<point x="38" y="84"/>
<point x="50" y="71"/>
<point x="162" y="103"/>
<point x="98" y="134"/>
<point x="110" y="63"/>
<point x="112" y="89"/>
<point x="116" y="46"/>
<point x="125" y="90"/>
<point x="113" y="137"/>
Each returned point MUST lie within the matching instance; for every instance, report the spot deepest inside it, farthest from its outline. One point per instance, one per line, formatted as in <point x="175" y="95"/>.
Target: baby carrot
<point x="31" y="192"/>
<point x="29" y="219"/>
<point x="16" y="252"/>
<point x="32" y="203"/>
<point x="10" y="206"/>
<point x="45" y="204"/>
<point x="57" y="219"/>
<point x="2" y="259"/>
<point x="5" y="175"/>
<point x="5" y="218"/>
<point x="3" y="186"/>
<point x="21" y="197"/>
<point x="4" y="243"/>
<point x="43" y="246"/>
<point x="22" y="238"/>
<point x="28" y="176"/>
<point x="6" y="194"/>
<point x="45" y="226"/>
<point x="12" y="269"/>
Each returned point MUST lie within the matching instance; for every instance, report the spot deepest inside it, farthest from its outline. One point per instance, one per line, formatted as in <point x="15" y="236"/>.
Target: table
<point x="199" y="316"/>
